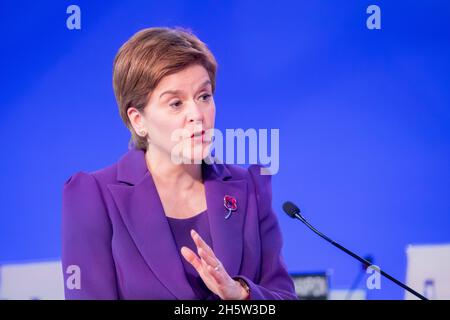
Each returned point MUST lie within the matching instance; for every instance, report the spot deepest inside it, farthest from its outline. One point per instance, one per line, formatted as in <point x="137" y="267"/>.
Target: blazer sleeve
<point x="88" y="265"/>
<point x="275" y="282"/>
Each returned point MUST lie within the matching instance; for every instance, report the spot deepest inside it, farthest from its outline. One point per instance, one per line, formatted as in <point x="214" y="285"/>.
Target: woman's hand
<point x="212" y="271"/>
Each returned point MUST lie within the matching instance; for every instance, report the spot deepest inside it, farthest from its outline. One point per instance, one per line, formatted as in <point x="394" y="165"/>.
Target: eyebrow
<point x="178" y="91"/>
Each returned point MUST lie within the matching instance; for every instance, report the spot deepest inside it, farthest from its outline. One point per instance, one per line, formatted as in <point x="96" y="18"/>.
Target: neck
<point x="170" y="174"/>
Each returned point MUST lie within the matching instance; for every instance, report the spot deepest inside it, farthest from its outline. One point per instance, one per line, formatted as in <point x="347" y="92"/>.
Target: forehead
<point x="187" y="79"/>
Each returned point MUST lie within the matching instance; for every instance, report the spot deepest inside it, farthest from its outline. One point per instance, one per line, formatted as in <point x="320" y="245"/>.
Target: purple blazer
<point x="115" y="230"/>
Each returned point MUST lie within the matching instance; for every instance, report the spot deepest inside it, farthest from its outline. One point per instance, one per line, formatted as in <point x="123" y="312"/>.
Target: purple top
<point x="181" y="230"/>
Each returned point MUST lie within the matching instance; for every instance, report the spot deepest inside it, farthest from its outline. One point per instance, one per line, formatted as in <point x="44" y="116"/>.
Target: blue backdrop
<point x="364" y="116"/>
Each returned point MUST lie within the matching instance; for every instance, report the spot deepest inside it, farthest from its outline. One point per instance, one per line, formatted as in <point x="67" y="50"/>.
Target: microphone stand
<point x="294" y="212"/>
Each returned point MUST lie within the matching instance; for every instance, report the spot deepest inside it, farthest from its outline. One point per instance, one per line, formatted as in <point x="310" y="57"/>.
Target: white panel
<point x="428" y="271"/>
<point x="41" y="280"/>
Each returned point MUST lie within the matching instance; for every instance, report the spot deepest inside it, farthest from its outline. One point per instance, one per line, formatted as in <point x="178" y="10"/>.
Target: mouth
<point x="198" y="134"/>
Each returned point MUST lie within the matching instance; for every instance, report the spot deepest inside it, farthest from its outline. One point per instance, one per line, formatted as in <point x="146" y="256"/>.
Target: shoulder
<point x="253" y="171"/>
<point x="83" y="199"/>
<point x="92" y="186"/>
<point x="85" y="192"/>
<point x="101" y="176"/>
<point x="105" y="175"/>
<point x="257" y="176"/>
<point x="84" y="188"/>
<point x="259" y="184"/>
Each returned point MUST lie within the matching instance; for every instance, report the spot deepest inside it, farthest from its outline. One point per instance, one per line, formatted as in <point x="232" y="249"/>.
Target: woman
<point x="154" y="227"/>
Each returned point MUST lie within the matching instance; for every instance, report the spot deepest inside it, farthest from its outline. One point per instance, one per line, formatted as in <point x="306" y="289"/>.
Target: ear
<point x="136" y="121"/>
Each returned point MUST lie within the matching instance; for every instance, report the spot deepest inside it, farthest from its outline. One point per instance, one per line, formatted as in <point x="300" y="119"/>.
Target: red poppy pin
<point x="230" y="204"/>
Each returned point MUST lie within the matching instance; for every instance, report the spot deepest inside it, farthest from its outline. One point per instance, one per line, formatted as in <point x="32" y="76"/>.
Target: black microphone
<point x="294" y="212"/>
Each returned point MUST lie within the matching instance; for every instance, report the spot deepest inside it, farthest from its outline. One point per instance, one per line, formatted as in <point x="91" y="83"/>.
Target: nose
<point x="195" y="114"/>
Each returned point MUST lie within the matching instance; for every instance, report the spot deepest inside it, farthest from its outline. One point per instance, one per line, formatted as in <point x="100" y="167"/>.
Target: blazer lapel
<point x="143" y="215"/>
<point x="226" y="234"/>
<point x="141" y="209"/>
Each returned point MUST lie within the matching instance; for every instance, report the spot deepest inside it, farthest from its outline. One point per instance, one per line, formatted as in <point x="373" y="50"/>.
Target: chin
<point x="196" y="155"/>
<point x="190" y="154"/>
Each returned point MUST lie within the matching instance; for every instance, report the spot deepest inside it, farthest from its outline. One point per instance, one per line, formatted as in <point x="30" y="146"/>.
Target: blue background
<point x="364" y="116"/>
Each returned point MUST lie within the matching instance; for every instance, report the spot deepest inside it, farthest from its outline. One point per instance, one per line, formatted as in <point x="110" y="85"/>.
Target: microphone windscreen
<point x="291" y="209"/>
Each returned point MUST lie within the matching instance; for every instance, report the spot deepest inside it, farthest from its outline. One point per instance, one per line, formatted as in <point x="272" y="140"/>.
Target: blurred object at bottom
<point x="311" y="286"/>
<point x="428" y="271"/>
<point x="32" y="281"/>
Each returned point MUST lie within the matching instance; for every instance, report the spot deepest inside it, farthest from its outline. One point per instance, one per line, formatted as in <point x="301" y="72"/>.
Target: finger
<point x="199" y="265"/>
<point x="210" y="260"/>
<point x="218" y="275"/>
<point x="192" y="258"/>
<point x="210" y="263"/>
<point x="201" y="243"/>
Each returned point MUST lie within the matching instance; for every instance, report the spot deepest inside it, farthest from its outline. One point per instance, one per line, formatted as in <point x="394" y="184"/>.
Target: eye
<point x="176" y="104"/>
<point x="205" y="97"/>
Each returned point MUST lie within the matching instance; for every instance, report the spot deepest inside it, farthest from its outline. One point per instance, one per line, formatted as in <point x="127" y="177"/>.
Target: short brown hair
<point x="147" y="57"/>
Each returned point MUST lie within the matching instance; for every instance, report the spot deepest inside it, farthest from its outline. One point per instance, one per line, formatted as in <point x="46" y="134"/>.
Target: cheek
<point x="166" y="129"/>
<point x="154" y="117"/>
<point x="159" y="127"/>
<point x="211" y="115"/>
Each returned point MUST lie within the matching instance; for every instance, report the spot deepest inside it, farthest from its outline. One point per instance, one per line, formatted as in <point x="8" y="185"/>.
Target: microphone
<point x="294" y="212"/>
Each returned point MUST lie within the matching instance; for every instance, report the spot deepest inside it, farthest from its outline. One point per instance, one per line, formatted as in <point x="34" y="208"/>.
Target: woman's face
<point x="179" y="112"/>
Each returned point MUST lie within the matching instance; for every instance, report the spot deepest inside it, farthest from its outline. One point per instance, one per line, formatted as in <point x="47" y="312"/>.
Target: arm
<point x="275" y="282"/>
<point x="86" y="241"/>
